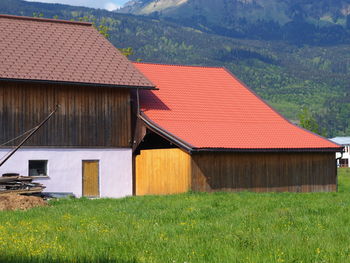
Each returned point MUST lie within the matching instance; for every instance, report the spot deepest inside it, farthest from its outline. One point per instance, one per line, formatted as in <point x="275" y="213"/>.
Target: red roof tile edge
<point x="266" y="149"/>
<point x="162" y="132"/>
<point x="38" y="19"/>
<point x="177" y="65"/>
<point x="191" y="149"/>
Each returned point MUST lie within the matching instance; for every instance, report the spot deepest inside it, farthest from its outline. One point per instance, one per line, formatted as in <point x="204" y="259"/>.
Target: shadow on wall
<point x="153" y="102"/>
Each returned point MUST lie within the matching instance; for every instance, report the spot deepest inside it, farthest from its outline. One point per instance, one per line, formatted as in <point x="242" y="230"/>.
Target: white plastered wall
<point x="65" y="169"/>
<point x="345" y="155"/>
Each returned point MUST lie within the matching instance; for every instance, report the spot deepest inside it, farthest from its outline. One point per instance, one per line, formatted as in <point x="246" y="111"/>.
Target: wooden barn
<point x="204" y="130"/>
<point x="114" y="134"/>
<point x="86" y="147"/>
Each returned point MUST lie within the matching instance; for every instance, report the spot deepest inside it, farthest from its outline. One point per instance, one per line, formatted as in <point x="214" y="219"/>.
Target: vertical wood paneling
<point x="88" y="116"/>
<point x="163" y="171"/>
<point x="263" y="172"/>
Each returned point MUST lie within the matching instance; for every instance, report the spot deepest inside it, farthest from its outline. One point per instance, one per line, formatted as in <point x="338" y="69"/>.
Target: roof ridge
<point x="177" y="65"/>
<point x="38" y="19"/>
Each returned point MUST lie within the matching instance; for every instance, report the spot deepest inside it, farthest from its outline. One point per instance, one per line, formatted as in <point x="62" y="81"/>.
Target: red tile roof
<point x="210" y="108"/>
<point x="55" y="50"/>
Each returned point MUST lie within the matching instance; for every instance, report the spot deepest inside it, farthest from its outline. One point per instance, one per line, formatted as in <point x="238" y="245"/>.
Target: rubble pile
<point x="15" y="184"/>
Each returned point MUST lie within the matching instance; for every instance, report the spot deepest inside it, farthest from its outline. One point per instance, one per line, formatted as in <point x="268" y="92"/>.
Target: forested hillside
<point x="295" y="21"/>
<point x="289" y="76"/>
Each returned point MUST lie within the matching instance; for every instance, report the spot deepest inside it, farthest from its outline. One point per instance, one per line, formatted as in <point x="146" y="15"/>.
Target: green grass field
<point x="194" y="227"/>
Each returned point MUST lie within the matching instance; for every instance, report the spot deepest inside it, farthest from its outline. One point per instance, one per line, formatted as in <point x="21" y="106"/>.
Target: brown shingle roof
<point x="39" y="49"/>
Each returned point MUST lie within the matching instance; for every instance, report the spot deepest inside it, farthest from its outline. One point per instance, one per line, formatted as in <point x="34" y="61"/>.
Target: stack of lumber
<point x="19" y="185"/>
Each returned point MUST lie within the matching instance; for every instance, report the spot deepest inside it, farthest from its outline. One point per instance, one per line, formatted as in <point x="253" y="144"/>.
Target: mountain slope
<point x="290" y="77"/>
<point x="281" y="11"/>
<point x="297" y="21"/>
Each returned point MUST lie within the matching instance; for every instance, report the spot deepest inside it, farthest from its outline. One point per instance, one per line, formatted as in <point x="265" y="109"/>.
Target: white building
<point x="343" y="158"/>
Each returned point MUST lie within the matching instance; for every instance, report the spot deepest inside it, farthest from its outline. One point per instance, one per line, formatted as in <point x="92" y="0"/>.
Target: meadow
<point x="192" y="227"/>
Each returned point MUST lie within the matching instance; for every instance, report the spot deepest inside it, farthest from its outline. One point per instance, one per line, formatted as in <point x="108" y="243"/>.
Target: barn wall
<point x="88" y="117"/>
<point x="162" y="171"/>
<point x="262" y="172"/>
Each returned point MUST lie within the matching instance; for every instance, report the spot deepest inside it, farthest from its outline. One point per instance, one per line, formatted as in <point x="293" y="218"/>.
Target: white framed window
<point x="37" y="167"/>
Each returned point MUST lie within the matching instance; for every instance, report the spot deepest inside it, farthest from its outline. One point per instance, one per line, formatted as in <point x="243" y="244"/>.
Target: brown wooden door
<point x="91" y="179"/>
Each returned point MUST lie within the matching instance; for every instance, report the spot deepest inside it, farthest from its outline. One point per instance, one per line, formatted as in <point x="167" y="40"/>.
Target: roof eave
<point x="42" y="19"/>
<point x="38" y="81"/>
<point x="166" y="134"/>
<point x="191" y="149"/>
<point x="262" y="150"/>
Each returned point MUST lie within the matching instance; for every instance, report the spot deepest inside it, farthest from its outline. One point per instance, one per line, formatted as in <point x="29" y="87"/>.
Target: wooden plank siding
<point x="170" y="171"/>
<point x="88" y="116"/>
<point x="162" y="171"/>
<point x="264" y="172"/>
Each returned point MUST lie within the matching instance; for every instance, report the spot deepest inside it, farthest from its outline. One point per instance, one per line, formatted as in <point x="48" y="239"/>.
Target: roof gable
<point x="209" y="108"/>
<point x="62" y="51"/>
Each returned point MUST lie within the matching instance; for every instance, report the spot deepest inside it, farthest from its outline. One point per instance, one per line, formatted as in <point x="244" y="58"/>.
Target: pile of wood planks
<point x="19" y="185"/>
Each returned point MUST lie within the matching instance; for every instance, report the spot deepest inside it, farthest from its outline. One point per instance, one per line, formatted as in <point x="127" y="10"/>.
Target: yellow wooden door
<point x="163" y="171"/>
<point x="91" y="179"/>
